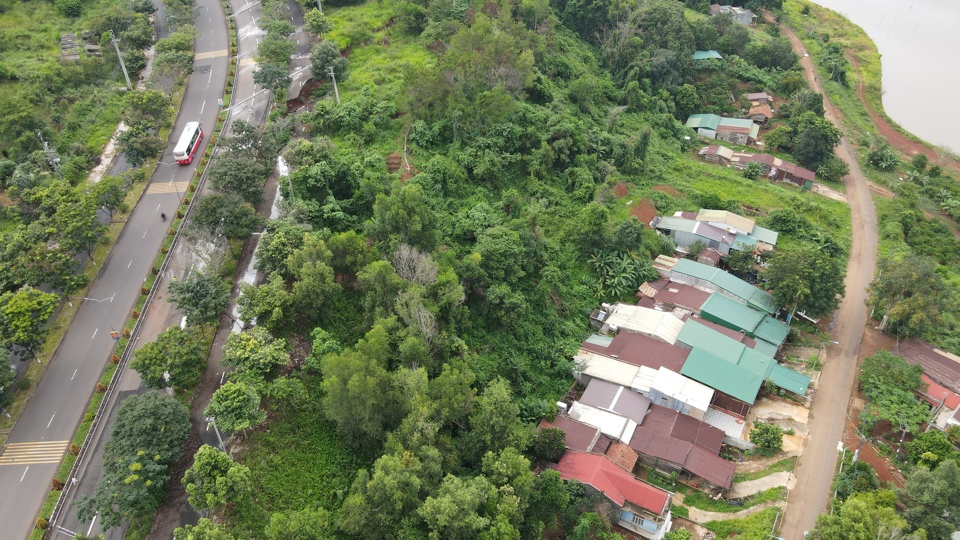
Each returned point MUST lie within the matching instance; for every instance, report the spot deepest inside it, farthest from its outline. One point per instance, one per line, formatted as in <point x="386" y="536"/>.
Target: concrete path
<point x="703" y="516"/>
<point x="744" y="489"/>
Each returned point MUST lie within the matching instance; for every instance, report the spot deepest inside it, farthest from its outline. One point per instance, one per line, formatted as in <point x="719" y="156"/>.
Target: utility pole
<point x="120" y="56"/>
<point x="319" y="7"/>
<point x="52" y="158"/>
<point x="334" y="77"/>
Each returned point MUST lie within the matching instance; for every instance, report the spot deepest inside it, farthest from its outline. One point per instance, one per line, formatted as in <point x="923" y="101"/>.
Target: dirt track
<point x="816" y="465"/>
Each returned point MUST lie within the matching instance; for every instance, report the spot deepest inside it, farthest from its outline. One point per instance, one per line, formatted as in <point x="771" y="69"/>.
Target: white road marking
<point x="129" y="263"/>
<point x="92" y="522"/>
<point x="51" y="419"/>
<point x="24" y="474"/>
<point x="144" y="234"/>
<point x="202" y="106"/>
<point x="95" y="333"/>
<point x="210" y="78"/>
<point x="74" y="373"/>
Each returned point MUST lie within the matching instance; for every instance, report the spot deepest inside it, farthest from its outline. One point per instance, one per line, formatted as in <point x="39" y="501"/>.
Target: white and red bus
<point x="189" y="142"/>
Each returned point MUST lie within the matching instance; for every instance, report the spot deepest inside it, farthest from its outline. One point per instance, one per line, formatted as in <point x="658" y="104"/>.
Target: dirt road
<point x="817" y="463"/>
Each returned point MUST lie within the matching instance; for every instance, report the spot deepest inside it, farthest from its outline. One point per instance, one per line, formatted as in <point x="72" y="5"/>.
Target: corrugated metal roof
<point x="765" y="348"/>
<point x="789" y="379"/>
<point x="730" y="313"/>
<point x="772" y="331"/>
<point x="644" y="379"/>
<point x="610" y="424"/>
<point x="744" y="243"/>
<point x="710" y="467"/>
<point x="707" y="55"/>
<point x="641" y="350"/>
<point x="659" y="324"/>
<point x="742" y="224"/>
<point x="765" y="235"/>
<point x="696" y="335"/>
<point x="729" y="378"/>
<point x="579" y="436"/>
<point x="677" y="224"/>
<point x="597" y="339"/>
<point x="617" y="398"/>
<point x="683" y="389"/>
<point x="682" y="295"/>
<point x="618" y="485"/>
<point x="725" y="282"/>
<point x="711" y="232"/>
<point x="738" y="125"/>
<point x="704" y="121"/>
<point x="607" y="369"/>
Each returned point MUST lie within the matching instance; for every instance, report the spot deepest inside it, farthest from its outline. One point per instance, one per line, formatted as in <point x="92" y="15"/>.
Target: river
<point x="919" y="44"/>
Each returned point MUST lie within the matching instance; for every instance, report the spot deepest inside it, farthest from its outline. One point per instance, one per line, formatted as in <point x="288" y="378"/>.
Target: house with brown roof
<point x="641" y="508"/>
<point x="762" y="98"/>
<point x="760" y="113"/>
<point x="716" y="154"/>
<point x="941" y="366"/>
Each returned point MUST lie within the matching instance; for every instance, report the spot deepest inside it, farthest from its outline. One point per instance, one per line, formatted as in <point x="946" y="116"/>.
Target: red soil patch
<point x="620" y="190"/>
<point x="394" y="161"/>
<point x="644" y="211"/>
<point x="303" y="97"/>
<point x="668" y="190"/>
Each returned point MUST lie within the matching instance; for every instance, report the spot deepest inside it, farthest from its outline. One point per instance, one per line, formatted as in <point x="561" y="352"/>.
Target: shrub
<point x="56" y="485"/>
<point x="69" y="8"/>
<point x="768" y="436"/>
<point x="42" y="523"/>
<point x="101" y="388"/>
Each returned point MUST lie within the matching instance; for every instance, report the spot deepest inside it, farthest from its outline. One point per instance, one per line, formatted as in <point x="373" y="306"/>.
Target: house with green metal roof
<point x="711" y="278"/>
<point x="741" y="317"/>
<point x="731" y="367"/>
<point x="706" y="122"/>
<point x="707" y="55"/>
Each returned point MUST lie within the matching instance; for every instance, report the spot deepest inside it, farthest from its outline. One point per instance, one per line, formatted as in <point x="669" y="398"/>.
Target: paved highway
<point x="40" y="439"/>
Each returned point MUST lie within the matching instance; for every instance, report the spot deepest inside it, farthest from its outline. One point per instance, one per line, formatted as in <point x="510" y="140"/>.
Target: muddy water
<point x="919" y="43"/>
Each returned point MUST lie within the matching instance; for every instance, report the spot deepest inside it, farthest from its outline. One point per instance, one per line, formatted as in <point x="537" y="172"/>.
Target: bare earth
<point x="815" y="468"/>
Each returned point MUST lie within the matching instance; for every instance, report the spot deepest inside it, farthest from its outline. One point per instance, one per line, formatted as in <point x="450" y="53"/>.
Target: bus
<point x="189" y="142"/>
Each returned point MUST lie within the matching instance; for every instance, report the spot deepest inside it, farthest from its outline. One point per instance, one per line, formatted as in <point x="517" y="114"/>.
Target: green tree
<point x="404" y="216"/>
<point x="806" y="279"/>
<point x="317" y="23"/>
<point x="910" y="292"/>
<point x="203" y="530"/>
<point x="306" y="524"/>
<point x="239" y="173"/>
<point x="357" y="396"/>
<point x="779" y="138"/>
<point x="202" y="298"/>
<point x="932" y="499"/>
<point x="236" y="407"/>
<point x="495" y="421"/>
<point x="753" y="170"/>
<point x="270" y="304"/>
<point x="769" y="436"/>
<point x="175" y="359"/>
<point x="109" y="192"/>
<point x="502" y="254"/>
<point x="78" y="227"/>
<point x="740" y="260"/>
<point x="281" y="240"/>
<point x="255" y="353"/>
<point x="815" y="139"/>
<point x="888" y="383"/>
<point x="930" y="448"/>
<point x="23" y="319"/>
<point x="833" y="169"/>
<point x="146" y="438"/>
<point x="151" y="106"/>
<point x="7" y="376"/>
<point x="215" y="480"/>
<point x="324" y="55"/>
<point x="863" y="516"/>
<point x="140" y="143"/>
<point x="687" y="101"/>
<point x="275" y="77"/>
<point x="226" y="214"/>
<point x="549" y="444"/>
<point x="275" y="49"/>
<point x="454" y="511"/>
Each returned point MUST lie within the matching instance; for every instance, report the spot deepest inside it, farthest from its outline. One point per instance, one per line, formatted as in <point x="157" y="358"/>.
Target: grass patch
<point x="679" y="511"/>
<point x="698" y="499"/>
<point x="756" y="526"/>
<point x="787" y="464"/>
<point x="300" y="462"/>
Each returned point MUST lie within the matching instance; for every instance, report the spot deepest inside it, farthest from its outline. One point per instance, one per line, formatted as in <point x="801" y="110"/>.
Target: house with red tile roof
<point x="641" y="508"/>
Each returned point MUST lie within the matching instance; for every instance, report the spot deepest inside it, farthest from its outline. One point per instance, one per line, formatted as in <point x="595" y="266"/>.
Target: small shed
<point x="762" y="98"/>
<point x="711" y="257"/>
<point x="716" y="154"/>
<point x="760" y="114"/>
<point x="649" y="322"/>
<point x="707" y="55"/>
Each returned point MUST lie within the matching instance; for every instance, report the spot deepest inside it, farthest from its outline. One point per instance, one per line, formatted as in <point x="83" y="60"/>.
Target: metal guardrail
<point x="55" y="516"/>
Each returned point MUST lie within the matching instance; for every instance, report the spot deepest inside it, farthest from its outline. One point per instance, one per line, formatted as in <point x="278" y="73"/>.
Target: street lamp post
<point x="173" y="173"/>
<point x="105" y="317"/>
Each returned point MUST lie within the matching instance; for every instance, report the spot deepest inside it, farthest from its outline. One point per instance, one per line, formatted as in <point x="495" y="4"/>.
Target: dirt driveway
<point x="816" y="465"/>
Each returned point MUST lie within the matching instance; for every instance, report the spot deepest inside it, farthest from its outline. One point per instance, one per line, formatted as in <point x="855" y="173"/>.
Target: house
<point x="662" y="438"/>
<point x="711" y="257"/>
<point x="733" y="130"/>
<point x="706" y="55"/>
<point x="728" y="221"/>
<point x="663" y="264"/>
<point x="737" y="131"/>
<point x="762" y="98"/>
<point x="941" y="366"/>
<point x="760" y="114"/>
<point x="716" y="154"/>
<point x="715" y="280"/>
<point x="740" y="15"/>
<point x="636" y="349"/>
<point x="742" y="318"/>
<point x="579" y="436"/>
<point x="641" y="507"/>
<point x="945" y="403"/>
<point x="775" y="168"/>
<point x="648" y="322"/>
<point x="686" y="232"/>
<point x="677" y="295"/>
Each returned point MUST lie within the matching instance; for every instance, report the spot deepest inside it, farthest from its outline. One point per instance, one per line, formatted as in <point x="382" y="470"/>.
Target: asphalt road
<point x="818" y="462"/>
<point x="40" y="439"/>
